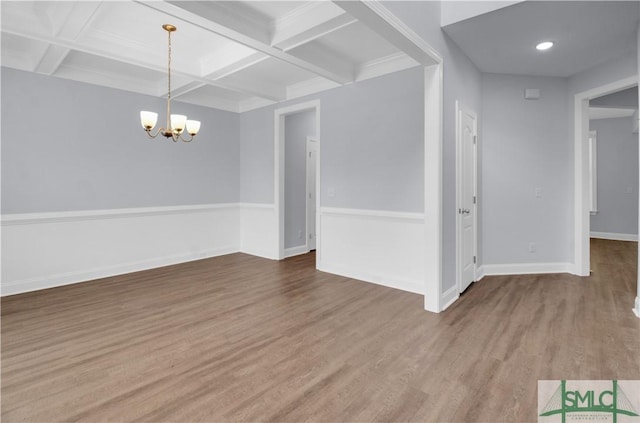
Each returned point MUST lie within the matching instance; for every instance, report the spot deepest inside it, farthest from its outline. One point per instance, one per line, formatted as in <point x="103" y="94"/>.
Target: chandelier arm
<point x="158" y="132"/>
<point x="186" y="140"/>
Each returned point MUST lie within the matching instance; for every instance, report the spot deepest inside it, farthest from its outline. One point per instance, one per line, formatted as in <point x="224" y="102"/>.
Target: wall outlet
<point x="331" y="192"/>
<point x="299" y="234"/>
<point x="538" y="192"/>
<point x="532" y="247"/>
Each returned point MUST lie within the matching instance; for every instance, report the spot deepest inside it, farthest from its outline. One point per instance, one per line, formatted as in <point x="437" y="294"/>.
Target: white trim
<point x="433" y="82"/>
<point x="257" y="205"/>
<point x="69" y="278"/>
<point x="376" y="16"/>
<point x="636" y="309"/>
<point x="450" y="297"/>
<point x="72" y="216"/>
<point x="309" y="141"/>
<point x="380" y="214"/>
<point x="459" y="109"/>
<point x="384" y="65"/>
<point x="295" y="251"/>
<point x="526" y="268"/>
<point x="408" y="285"/>
<point x="593" y="172"/>
<point x="614" y="236"/>
<point x="581" y="169"/>
<point x="278" y="186"/>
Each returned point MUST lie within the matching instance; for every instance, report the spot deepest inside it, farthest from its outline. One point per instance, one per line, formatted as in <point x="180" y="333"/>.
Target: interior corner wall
<point x="527" y="175"/>
<point x="297" y="128"/>
<point x="462" y="82"/>
<point x="372" y="179"/>
<point x="85" y="193"/>
<point x="617" y="179"/>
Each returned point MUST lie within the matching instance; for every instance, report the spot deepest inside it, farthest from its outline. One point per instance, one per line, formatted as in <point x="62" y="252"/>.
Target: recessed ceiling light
<point x="545" y="45"/>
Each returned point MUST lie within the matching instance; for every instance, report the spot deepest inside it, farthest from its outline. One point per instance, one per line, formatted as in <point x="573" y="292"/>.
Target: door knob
<point x="466" y="211"/>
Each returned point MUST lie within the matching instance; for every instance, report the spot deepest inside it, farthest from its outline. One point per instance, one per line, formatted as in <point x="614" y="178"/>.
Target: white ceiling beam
<point x="237" y="66"/>
<point x="308" y="22"/>
<point x="51" y="60"/>
<point x="379" y="19"/>
<point x="80" y="17"/>
<point x="252" y="90"/>
<point x="199" y="14"/>
<point x="235" y="15"/>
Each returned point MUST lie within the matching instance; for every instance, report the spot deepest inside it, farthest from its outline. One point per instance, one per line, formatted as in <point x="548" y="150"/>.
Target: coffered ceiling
<point x="232" y="55"/>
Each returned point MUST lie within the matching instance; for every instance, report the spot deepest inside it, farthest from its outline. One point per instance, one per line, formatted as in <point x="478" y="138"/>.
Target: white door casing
<point x="466" y="189"/>
<point x="312" y="160"/>
<point x="278" y="125"/>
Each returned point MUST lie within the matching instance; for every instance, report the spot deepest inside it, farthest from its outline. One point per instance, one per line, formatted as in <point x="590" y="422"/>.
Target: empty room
<point x="327" y="211"/>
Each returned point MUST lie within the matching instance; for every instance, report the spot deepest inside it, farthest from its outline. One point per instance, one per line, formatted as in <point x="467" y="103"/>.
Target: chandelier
<point x="176" y="124"/>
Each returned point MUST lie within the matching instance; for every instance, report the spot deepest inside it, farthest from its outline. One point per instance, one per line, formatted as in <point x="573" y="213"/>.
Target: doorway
<point x="582" y="188"/>
<point x="466" y="196"/>
<point x="293" y="126"/>
<point x="581" y="180"/>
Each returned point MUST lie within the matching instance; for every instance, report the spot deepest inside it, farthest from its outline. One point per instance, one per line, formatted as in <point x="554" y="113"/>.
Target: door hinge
<point x="309" y="154"/>
<point x="475" y="139"/>
<point x="474" y="259"/>
<point x="474" y="199"/>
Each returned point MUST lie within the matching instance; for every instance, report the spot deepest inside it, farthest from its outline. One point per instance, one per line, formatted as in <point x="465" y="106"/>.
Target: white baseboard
<point x="389" y="281"/>
<point x="449" y="297"/>
<point x="614" y="236"/>
<point x="376" y="246"/>
<point x="45" y="250"/>
<point x="526" y="268"/>
<point x="61" y="279"/>
<point x="295" y="251"/>
<point x="636" y="310"/>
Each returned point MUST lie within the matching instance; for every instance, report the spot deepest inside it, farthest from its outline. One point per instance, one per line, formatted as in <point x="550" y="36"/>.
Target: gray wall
<point x="526" y="147"/>
<point x="297" y="128"/>
<point x="68" y="146"/>
<point x="372" y="145"/>
<point x="624" y="98"/>
<point x="617" y="164"/>
<point x="462" y="82"/>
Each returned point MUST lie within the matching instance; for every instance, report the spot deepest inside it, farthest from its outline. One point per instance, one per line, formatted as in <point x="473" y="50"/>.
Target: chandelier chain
<point x="169" y="65"/>
<point x="169" y="83"/>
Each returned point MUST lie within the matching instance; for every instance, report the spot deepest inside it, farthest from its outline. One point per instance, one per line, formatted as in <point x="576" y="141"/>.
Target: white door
<point x="312" y="162"/>
<point x="467" y="200"/>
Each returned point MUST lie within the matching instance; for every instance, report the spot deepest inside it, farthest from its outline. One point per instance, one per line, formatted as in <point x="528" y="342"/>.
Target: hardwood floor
<point x="239" y="338"/>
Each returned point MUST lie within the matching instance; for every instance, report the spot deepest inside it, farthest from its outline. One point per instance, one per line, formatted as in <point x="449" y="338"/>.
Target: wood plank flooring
<point x="243" y="339"/>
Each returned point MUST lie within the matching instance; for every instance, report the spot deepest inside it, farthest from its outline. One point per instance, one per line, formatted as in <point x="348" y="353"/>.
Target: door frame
<point x="308" y="141"/>
<point x="582" y="224"/>
<point x="278" y="185"/>
<point x="462" y="108"/>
